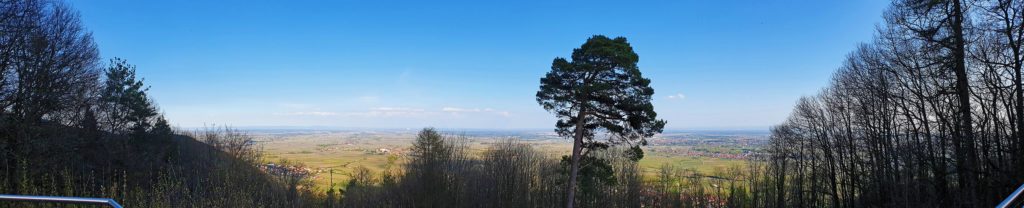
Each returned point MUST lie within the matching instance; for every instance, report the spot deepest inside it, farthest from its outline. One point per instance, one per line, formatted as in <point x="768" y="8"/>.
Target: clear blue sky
<point x="469" y="64"/>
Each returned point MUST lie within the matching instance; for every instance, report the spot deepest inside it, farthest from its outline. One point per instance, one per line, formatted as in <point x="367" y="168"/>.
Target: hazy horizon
<point x="315" y="127"/>
<point x="713" y="65"/>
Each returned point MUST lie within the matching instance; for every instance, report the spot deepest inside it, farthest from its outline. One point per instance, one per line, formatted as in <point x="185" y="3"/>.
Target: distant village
<point x="314" y="173"/>
<point x="718" y="146"/>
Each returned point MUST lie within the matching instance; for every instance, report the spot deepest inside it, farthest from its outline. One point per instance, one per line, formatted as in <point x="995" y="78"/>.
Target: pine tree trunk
<point x="576" y="149"/>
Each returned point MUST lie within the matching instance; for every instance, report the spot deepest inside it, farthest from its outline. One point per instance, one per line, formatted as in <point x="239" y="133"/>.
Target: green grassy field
<point x="706" y="165"/>
<point x="343" y="152"/>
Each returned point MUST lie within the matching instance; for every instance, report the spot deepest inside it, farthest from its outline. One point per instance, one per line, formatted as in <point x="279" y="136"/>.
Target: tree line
<point x="928" y="114"/>
<point x="441" y="172"/>
<point x="71" y="125"/>
<point x="50" y="78"/>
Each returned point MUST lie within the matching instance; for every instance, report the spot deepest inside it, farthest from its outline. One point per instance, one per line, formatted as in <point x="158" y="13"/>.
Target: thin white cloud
<point x="398" y="112"/>
<point x="677" y="96"/>
<point x="393" y="111"/>
<point x="456" y="110"/>
<point x="461" y="110"/>
<point x="310" y="113"/>
<point x="396" y="109"/>
<point x="372" y="112"/>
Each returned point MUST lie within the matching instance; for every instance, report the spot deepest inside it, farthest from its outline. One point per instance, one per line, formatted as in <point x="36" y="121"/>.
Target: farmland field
<point x="322" y="152"/>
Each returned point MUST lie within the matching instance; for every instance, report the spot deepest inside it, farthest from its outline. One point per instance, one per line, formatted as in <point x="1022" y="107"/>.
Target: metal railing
<point x="60" y="199"/>
<point x="1014" y="197"/>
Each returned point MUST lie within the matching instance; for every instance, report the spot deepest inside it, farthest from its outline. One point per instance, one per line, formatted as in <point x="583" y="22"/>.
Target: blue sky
<point x="469" y="64"/>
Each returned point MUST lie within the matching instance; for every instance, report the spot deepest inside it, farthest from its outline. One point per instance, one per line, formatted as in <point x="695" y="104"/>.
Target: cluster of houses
<point x="328" y="148"/>
<point x="743" y="155"/>
<point x="385" y="151"/>
<point x="285" y="170"/>
<point x="291" y="170"/>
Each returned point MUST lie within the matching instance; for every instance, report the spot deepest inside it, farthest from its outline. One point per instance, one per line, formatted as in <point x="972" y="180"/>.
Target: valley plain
<point x="319" y="152"/>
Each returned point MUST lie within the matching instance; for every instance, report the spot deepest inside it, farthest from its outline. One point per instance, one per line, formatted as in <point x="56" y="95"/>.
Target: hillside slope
<point x="214" y="168"/>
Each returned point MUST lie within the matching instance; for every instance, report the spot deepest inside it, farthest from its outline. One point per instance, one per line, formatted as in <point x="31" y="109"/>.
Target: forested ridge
<point x="928" y="114"/>
<point x="73" y="126"/>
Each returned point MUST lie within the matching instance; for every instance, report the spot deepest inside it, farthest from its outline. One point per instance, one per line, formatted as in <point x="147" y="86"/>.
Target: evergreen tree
<point x="600" y="91"/>
<point x="124" y="99"/>
<point x="161" y="127"/>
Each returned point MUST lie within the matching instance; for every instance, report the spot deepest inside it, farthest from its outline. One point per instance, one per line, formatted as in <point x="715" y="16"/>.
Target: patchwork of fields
<point x="323" y="152"/>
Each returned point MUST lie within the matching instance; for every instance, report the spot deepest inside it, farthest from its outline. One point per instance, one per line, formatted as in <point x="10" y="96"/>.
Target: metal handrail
<point x="1013" y="197"/>
<point x="61" y="199"/>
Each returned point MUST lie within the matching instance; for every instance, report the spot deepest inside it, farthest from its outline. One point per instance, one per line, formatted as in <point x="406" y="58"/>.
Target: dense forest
<point x="72" y="126"/>
<point x="928" y="114"/>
